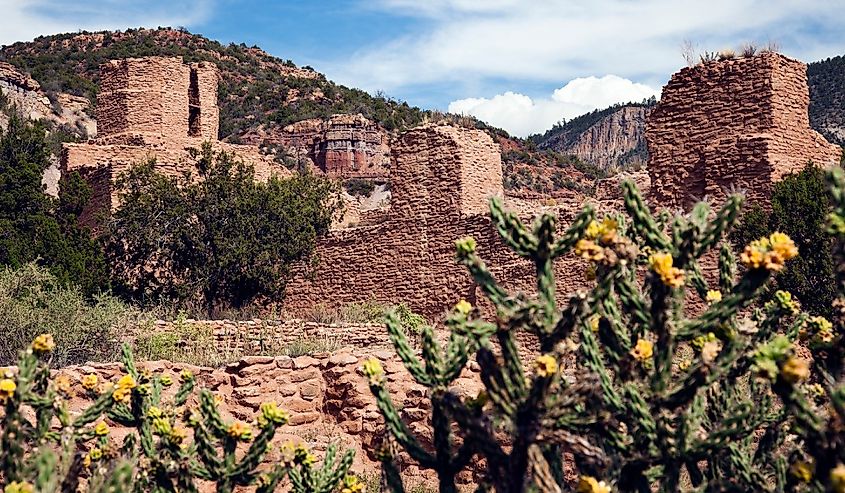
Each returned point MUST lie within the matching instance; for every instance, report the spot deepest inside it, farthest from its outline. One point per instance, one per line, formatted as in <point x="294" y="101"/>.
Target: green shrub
<point x="799" y="208"/>
<point x="224" y="241"/>
<point x="359" y="188"/>
<point x="32" y="301"/>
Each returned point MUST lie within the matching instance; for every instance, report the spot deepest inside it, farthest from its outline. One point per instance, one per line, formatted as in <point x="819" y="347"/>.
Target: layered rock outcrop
<point x="342" y="146"/>
<point x="739" y="123"/>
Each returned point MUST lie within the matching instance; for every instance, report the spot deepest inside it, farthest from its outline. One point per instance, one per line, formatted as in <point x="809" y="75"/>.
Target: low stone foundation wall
<point x="326" y="394"/>
<point x="258" y="336"/>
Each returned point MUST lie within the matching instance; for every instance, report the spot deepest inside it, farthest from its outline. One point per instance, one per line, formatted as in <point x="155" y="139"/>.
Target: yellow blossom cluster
<point x="545" y="366"/>
<point x="101" y="429"/>
<point x="661" y="264"/>
<point x="62" y="385"/>
<point x="770" y="252"/>
<point x="589" y="484"/>
<point x="643" y="350"/>
<point x="92" y="456"/>
<point x="351" y="484"/>
<point x="18" y="487"/>
<point x="123" y="389"/>
<point x="43" y="344"/>
<point x="271" y="413"/>
<point x="90" y="381"/>
<point x="373" y="370"/>
<point x="239" y="431"/>
<point x="7" y="389"/>
<point x="802" y="470"/>
<point x="713" y="296"/>
<point x="463" y="307"/>
<point x="795" y="370"/>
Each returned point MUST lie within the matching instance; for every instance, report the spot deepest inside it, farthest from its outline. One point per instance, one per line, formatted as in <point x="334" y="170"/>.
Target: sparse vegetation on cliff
<point x="223" y="241"/>
<point x="256" y="88"/>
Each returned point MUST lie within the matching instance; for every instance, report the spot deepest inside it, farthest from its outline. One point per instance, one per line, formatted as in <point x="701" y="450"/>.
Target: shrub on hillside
<point x="799" y="208"/>
<point x="224" y="240"/>
<point x="33" y="301"/>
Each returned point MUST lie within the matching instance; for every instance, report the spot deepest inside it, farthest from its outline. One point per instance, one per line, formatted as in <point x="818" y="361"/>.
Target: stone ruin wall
<point x="326" y="394"/>
<point x="739" y="123"/>
<point x="442" y="179"/>
<point x="144" y="112"/>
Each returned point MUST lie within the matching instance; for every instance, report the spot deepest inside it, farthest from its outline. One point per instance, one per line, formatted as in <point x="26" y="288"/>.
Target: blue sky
<point x="519" y="64"/>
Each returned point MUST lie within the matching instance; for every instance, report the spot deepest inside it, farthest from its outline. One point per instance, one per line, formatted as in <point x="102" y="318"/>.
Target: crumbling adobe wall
<point x="735" y="123"/>
<point x="442" y="179"/>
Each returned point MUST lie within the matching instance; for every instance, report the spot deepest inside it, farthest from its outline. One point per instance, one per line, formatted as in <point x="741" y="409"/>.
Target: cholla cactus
<point x="156" y="455"/>
<point x="819" y="408"/>
<point x="637" y="414"/>
<point x="27" y="446"/>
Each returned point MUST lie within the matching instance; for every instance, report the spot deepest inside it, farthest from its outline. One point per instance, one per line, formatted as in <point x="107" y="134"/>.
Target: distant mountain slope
<point x="610" y="139"/>
<point x="827" y="98"/>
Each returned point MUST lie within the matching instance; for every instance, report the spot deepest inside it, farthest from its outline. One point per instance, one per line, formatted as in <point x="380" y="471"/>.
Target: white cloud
<point x="469" y="43"/>
<point x="520" y="115"/>
<point x="23" y="20"/>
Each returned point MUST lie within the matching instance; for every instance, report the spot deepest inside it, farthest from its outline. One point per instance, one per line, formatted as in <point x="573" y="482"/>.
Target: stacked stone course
<point x="739" y="123"/>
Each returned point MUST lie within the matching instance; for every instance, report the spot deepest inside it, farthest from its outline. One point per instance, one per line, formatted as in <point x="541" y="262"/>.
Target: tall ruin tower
<point x="153" y="108"/>
<point x="740" y="123"/>
<point x="155" y="99"/>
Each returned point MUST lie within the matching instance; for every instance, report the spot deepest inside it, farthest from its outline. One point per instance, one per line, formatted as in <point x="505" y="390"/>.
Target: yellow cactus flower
<point x="837" y="478"/>
<point x="588" y="250"/>
<point x="166" y="380"/>
<point x="62" y="385"/>
<point x="594" y="322"/>
<point x="154" y="412"/>
<point x="589" y="484"/>
<point x="463" y="307"/>
<point x="465" y="245"/>
<point x="162" y="427"/>
<point x="7" y="389"/>
<point x="18" y="487"/>
<point x="643" y="350"/>
<point x="545" y="366"/>
<point x="592" y="230"/>
<point x="685" y="364"/>
<point x="123" y="388"/>
<point x="802" y="470"/>
<point x="795" y="370"/>
<point x="102" y="429"/>
<point x="661" y="264"/>
<point x="240" y="431"/>
<point x="90" y="381"/>
<point x="178" y="434"/>
<point x="92" y="456"/>
<point x="770" y="252"/>
<point x="351" y="484"/>
<point x="713" y="296"/>
<point x="373" y="370"/>
<point x="186" y="375"/>
<point x="272" y="413"/>
<point x="43" y="344"/>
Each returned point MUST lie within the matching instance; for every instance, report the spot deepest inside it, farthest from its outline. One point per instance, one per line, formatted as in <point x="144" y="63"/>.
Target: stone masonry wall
<point x="736" y="123"/>
<point x="326" y="394"/>
<point x="442" y="178"/>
